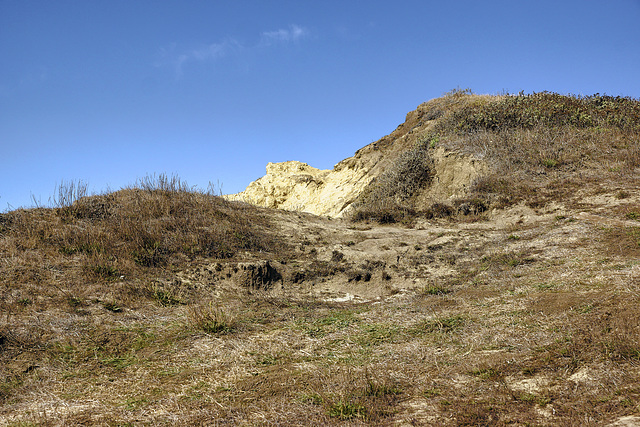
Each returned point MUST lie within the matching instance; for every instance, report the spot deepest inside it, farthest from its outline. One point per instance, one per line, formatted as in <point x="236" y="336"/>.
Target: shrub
<point x="526" y="111"/>
<point x="209" y="318"/>
<point x="346" y="410"/>
<point x="434" y="289"/>
<point x="438" y="210"/>
<point x="387" y="198"/>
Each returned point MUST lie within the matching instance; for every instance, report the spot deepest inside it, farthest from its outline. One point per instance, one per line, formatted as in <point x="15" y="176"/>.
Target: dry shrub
<point x="209" y="318"/>
<point x="68" y="192"/>
<point x="148" y="227"/>
<point x="547" y="109"/>
<point x="532" y="141"/>
<point x="439" y="210"/>
<point x="387" y="198"/>
<point x="134" y="233"/>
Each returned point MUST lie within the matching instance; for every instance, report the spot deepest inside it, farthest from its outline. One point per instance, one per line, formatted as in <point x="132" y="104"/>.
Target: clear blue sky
<point x="108" y="91"/>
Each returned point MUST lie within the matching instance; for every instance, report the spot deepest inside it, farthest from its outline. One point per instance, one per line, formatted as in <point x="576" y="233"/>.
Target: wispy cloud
<point x="215" y="50"/>
<point x="174" y="57"/>
<point x="293" y="33"/>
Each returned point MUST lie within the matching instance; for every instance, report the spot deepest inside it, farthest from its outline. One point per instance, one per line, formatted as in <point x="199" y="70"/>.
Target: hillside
<point x="478" y="266"/>
<point x="466" y="148"/>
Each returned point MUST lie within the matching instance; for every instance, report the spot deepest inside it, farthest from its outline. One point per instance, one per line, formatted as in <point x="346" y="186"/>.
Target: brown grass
<point x="504" y="341"/>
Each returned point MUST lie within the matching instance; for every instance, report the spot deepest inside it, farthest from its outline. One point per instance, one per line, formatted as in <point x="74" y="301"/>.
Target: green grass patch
<point x="443" y="325"/>
<point x="210" y="319"/>
<point x="346" y="410"/>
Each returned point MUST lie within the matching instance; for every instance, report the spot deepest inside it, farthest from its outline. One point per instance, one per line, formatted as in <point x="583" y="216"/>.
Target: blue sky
<point x="110" y="91"/>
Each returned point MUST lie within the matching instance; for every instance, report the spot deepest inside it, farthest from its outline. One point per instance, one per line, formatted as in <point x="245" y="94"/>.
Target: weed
<point x="438" y="210"/>
<point x="633" y="215"/>
<point x="431" y="392"/>
<point x="132" y="403"/>
<point x="69" y="192"/>
<point x="267" y="360"/>
<point x="86" y="248"/>
<point x="312" y="398"/>
<point x="24" y="302"/>
<point x="104" y="271"/>
<point x="119" y="362"/>
<point x="488" y="373"/>
<point x="210" y="319"/>
<point x="380" y="388"/>
<point x="443" y="325"/>
<point x="74" y="301"/>
<point x="112" y="306"/>
<point x="337" y="256"/>
<point x="166" y="298"/>
<point x="622" y="194"/>
<point x="511" y="259"/>
<point x="434" y="289"/>
<point x="346" y="410"/>
<point x="151" y="254"/>
<point x="376" y="334"/>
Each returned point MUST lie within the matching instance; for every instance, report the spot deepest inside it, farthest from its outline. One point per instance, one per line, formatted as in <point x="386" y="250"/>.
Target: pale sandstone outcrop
<point x="297" y="186"/>
<point x="454" y="172"/>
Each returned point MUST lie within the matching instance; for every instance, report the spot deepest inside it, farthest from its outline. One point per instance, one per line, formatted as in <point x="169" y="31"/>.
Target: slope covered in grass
<point x="536" y="146"/>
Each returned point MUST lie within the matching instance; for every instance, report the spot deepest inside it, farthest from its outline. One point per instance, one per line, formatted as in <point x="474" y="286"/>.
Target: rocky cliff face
<point x="297" y="186"/>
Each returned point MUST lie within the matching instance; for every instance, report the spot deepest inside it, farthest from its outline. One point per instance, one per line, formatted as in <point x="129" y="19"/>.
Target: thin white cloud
<point x="215" y="51"/>
<point x="210" y="52"/>
<point x="293" y="33"/>
<point x="173" y="57"/>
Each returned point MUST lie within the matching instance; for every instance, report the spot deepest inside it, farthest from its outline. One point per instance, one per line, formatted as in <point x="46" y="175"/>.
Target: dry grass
<point x="508" y="338"/>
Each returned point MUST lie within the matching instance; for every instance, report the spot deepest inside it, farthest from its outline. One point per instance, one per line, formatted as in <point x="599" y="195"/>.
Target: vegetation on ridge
<point x="535" y="145"/>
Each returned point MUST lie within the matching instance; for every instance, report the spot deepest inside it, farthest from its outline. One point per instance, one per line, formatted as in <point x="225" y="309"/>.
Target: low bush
<point x="209" y="318"/>
<point x="388" y="198"/>
<point x="527" y="111"/>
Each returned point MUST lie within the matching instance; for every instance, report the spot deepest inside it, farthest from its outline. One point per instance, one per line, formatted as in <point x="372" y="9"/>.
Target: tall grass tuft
<point x="209" y="318"/>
